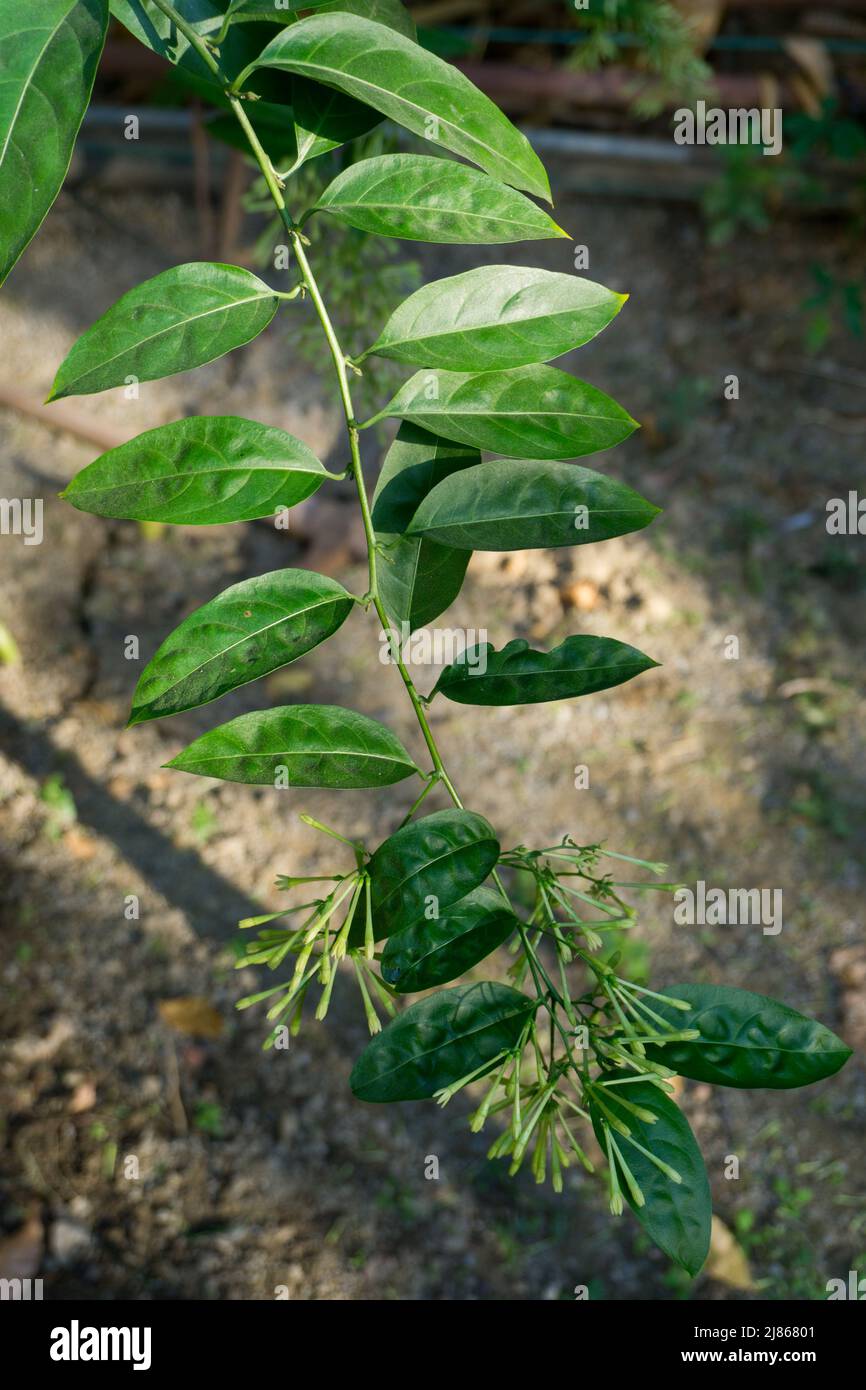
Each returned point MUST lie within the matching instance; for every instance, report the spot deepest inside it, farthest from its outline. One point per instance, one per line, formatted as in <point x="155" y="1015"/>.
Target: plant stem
<point x="201" y="46"/>
<point x="357" y="471"/>
<point x="543" y="985"/>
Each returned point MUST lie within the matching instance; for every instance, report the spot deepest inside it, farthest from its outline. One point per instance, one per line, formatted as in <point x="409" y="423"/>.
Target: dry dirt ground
<point x="259" y="1171"/>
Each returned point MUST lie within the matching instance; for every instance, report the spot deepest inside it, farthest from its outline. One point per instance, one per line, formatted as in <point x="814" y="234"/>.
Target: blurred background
<point x="739" y="763"/>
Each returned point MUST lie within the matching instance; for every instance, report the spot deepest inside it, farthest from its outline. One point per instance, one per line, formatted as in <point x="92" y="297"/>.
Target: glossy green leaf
<point x="533" y="412"/>
<point x="391" y="13"/>
<point x="180" y="319"/>
<point x="49" y="53"/>
<point x="747" y="1040"/>
<point x="199" y="472"/>
<point x="277" y="11"/>
<point x="510" y="504"/>
<point x="498" y="316"/>
<point x="297" y="120"/>
<point x="250" y="629"/>
<point x="420" y="198"/>
<point x="433" y="952"/>
<point x="676" y="1216"/>
<point x="326" y="119"/>
<point x="418" y="578"/>
<point x="520" y="676"/>
<point x="440" y="1039"/>
<point x="299" y="746"/>
<point x="432" y="861"/>
<point x="284" y="11"/>
<point x="242" y="44"/>
<point x="145" y="20"/>
<point x="415" y="88"/>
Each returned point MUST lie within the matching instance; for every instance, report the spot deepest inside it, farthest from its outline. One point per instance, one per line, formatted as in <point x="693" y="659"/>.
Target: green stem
<point x="275" y="188"/>
<point x="201" y="46"/>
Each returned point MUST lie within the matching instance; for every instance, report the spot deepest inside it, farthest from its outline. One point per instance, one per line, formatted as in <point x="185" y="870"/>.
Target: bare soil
<point x="258" y="1171"/>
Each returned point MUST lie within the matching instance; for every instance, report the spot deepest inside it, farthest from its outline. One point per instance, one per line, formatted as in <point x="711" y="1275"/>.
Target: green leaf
<point x="243" y="43"/>
<point x="676" y="1216"/>
<point x="249" y="630"/>
<point x="146" y="21"/>
<point x="388" y="12"/>
<point x="520" y="676"/>
<point x="415" y="88"/>
<point x="199" y="472"/>
<point x="436" y="859"/>
<point x="498" y="316"/>
<point x="418" y="578"/>
<point x="284" y="11"/>
<point x="747" y="1040"/>
<point x="533" y="412"/>
<point x="326" y="119"/>
<point x="299" y="746"/>
<point x="440" y="1039"/>
<point x="246" y="10"/>
<point x="433" y="952"/>
<point x="420" y="198"/>
<point x="510" y="504"/>
<point x="48" y="58"/>
<point x="180" y="319"/>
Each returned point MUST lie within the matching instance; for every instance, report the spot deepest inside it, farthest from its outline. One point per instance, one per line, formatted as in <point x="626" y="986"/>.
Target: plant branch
<point x="544" y="987"/>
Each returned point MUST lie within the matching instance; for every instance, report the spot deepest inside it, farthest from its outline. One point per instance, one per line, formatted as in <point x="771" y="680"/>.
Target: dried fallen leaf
<point x="582" y="594"/>
<point x="848" y="964"/>
<point x="83" y="1098"/>
<point x="79" y="844"/>
<point x="191" y="1015"/>
<point x="727" y="1261"/>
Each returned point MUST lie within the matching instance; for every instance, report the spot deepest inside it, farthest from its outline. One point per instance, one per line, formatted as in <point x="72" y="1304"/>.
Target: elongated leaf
<point x="284" y="12"/>
<point x="326" y="119"/>
<point x="199" y="472"/>
<point x="299" y="746"/>
<point x="510" y="504"/>
<point x="243" y="43"/>
<point x="180" y="319"/>
<point x="433" y="952"/>
<point x="520" y="676"/>
<point x="152" y="27"/>
<point x="747" y="1040"/>
<point x="420" y="198"/>
<point x="431" y="862"/>
<point x="250" y="629"/>
<point x="48" y="58"/>
<point x="415" y="88"/>
<point x="676" y="1216"/>
<point x="533" y="412"/>
<point x="418" y="578"/>
<point x="388" y="12"/>
<point x="440" y="1039"/>
<point x="498" y="316"/>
